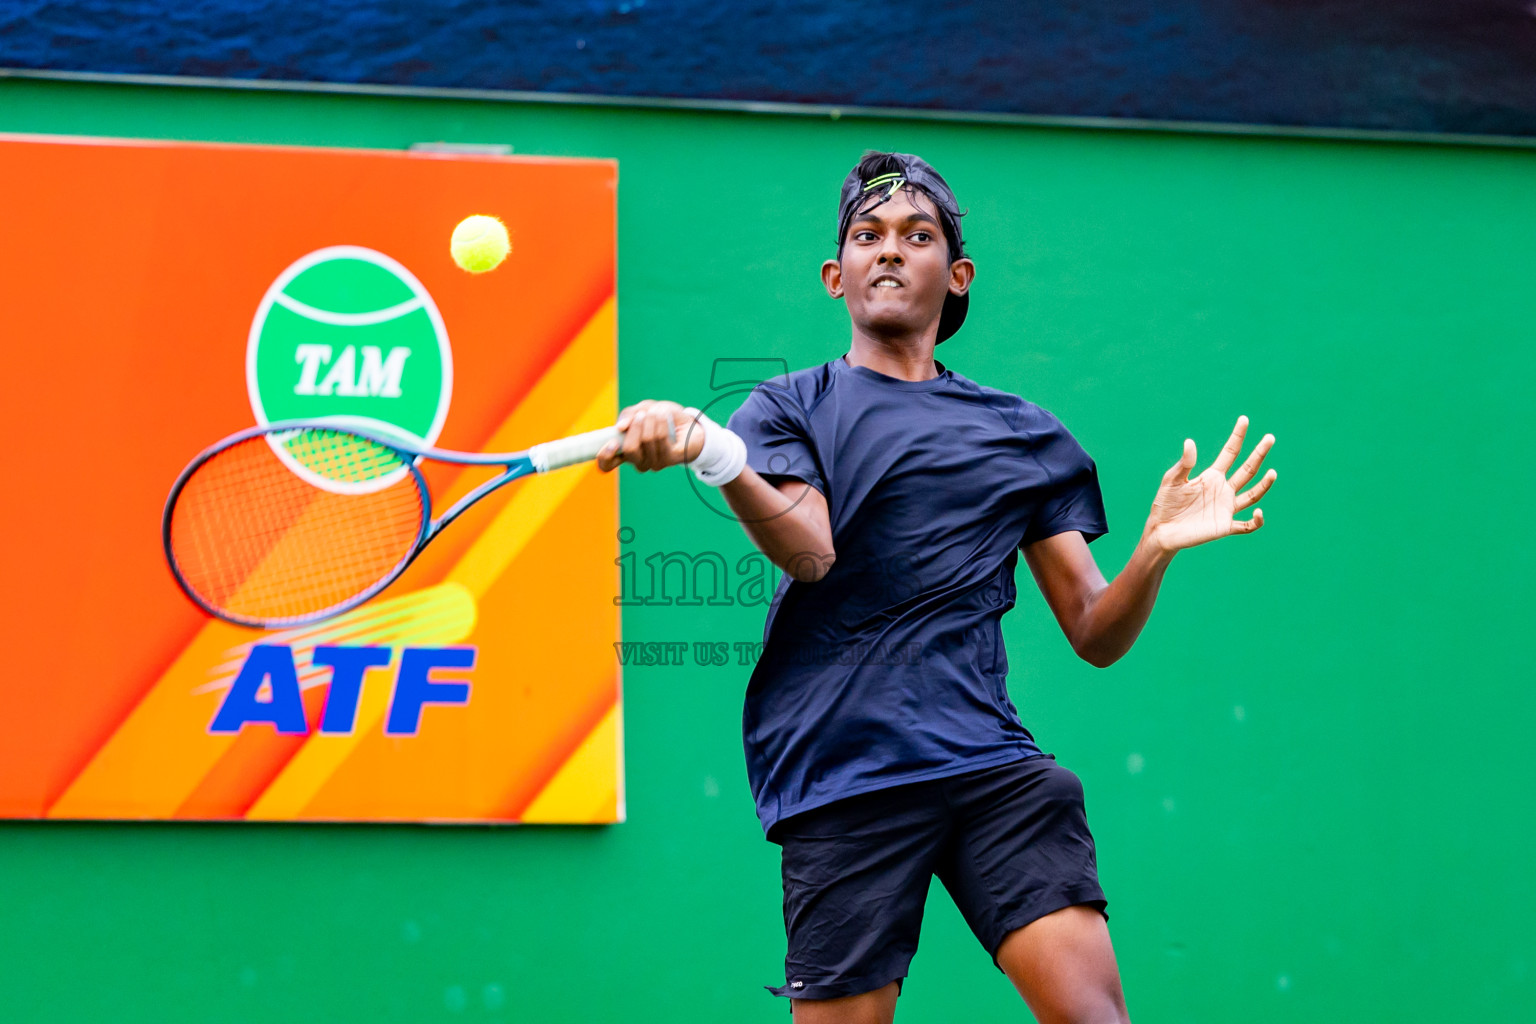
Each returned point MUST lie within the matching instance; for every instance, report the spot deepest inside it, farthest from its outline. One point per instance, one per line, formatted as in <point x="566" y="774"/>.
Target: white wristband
<point x="723" y="456"/>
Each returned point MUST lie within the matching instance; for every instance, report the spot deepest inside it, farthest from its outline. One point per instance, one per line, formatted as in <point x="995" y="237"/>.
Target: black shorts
<point x="1010" y="843"/>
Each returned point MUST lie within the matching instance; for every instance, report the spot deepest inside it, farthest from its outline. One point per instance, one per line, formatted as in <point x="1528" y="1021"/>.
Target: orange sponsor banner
<point x="159" y="296"/>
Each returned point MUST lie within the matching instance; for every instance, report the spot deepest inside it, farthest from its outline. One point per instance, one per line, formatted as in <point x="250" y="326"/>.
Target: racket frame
<point x="517" y="465"/>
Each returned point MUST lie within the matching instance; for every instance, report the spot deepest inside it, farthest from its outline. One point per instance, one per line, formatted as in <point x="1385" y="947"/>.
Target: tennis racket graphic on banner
<point x="296" y="521"/>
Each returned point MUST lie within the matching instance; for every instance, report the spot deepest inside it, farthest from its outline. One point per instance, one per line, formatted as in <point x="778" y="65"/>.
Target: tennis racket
<point x="297" y="521"/>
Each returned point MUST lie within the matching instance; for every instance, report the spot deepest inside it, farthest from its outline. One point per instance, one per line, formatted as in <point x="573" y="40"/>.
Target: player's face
<point x="895" y="270"/>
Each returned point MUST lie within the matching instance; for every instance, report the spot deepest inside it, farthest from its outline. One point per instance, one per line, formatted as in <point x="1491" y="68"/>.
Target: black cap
<point x="888" y="173"/>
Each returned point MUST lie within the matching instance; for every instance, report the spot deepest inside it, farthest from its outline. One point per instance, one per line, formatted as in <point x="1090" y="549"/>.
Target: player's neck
<point x="903" y="358"/>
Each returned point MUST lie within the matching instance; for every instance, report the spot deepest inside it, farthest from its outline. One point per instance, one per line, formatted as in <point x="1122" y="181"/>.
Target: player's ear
<point x="961" y="273"/>
<point x="832" y="278"/>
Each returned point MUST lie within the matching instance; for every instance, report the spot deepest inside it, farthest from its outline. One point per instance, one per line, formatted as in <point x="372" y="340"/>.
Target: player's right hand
<point x="657" y="434"/>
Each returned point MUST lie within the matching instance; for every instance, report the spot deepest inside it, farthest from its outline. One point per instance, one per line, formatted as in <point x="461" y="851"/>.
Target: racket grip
<point x="570" y="450"/>
<point x="579" y="448"/>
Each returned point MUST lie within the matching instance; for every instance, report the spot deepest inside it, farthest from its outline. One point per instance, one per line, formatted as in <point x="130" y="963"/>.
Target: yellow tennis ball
<point x="480" y="243"/>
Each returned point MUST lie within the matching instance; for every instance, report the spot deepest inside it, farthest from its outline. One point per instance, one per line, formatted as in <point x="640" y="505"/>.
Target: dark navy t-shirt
<point x="890" y="668"/>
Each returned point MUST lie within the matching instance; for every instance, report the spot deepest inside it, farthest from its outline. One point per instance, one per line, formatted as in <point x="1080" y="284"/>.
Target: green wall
<point x="1311" y="780"/>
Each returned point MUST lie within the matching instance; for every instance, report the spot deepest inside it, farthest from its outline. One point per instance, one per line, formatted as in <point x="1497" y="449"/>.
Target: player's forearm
<point x="1115" y="614"/>
<point x="778" y="525"/>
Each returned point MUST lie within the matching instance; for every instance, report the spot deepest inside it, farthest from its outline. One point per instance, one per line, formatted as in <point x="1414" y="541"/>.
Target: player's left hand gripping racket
<point x="297" y="521"/>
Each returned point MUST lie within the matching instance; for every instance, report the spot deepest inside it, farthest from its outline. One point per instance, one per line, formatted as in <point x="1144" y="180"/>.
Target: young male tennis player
<point x="881" y="744"/>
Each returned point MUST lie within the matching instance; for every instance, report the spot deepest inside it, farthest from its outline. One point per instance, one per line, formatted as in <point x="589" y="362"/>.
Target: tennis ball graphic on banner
<point x="349" y="334"/>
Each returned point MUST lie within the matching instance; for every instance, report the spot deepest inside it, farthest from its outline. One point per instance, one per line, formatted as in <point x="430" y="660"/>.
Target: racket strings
<point x="338" y="457"/>
<point x="260" y="537"/>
